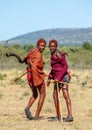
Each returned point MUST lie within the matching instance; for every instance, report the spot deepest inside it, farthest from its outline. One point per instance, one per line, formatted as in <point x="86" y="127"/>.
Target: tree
<point x="17" y="46"/>
<point x="27" y="47"/>
<point x="87" y="45"/>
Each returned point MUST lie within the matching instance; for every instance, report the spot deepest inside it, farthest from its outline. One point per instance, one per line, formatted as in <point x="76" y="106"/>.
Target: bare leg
<point x="68" y="103"/>
<point x="31" y="101"/>
<point x="41" y="99"/>
<point x="33" y="98"/>
<point x="67" y="99"/>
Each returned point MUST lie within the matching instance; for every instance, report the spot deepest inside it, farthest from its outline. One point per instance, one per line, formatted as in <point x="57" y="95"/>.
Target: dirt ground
<point x="14" y="98"/>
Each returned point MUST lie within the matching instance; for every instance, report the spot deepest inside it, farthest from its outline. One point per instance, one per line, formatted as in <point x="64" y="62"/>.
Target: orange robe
<point x="34" y="57"/>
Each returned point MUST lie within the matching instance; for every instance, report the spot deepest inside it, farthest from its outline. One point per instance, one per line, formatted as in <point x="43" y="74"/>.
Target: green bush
<point x="87" y="45"/>
<point x="2" y="76"/>
<point x="27" y="47"/>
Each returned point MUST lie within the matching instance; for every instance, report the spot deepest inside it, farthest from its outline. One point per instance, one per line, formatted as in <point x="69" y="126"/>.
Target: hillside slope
<point x="68" y="36"/>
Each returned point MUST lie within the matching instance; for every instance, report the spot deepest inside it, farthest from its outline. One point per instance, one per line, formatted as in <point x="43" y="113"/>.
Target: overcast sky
<point x="19" y="17"/>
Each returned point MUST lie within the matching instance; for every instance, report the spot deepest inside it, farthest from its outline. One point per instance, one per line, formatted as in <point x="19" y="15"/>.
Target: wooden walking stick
<point x="20" y="76"/>
<point x="52" y="81"/>
<point x="57" y="103"/>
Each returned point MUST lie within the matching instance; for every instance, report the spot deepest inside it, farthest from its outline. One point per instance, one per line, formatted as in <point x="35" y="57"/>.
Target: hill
<point x="68" y="36"/>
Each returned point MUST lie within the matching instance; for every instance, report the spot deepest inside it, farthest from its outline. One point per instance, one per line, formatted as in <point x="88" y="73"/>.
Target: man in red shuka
<point x="59" y="73"/>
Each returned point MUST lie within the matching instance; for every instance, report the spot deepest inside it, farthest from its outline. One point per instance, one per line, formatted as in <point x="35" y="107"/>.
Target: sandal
<point x="28" y="114"/>
<point x="68" y="119"/>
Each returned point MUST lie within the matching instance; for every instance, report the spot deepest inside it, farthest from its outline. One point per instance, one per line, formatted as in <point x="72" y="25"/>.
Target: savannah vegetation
<point x="79" y="57"/>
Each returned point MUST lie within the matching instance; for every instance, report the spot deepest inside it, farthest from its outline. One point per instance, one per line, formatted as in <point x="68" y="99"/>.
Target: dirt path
<point x="14" y="97"/>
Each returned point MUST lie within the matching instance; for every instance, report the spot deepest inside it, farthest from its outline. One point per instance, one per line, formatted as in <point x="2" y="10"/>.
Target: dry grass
<point x="14" y="98"/>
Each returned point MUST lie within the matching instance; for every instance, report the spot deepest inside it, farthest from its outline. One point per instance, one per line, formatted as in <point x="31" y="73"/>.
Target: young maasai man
<point x="59" y="74"/>
<point x="36" y="76"/>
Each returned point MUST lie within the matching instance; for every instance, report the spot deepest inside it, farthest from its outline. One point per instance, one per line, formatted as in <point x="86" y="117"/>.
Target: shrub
<point x="87" y="45"/>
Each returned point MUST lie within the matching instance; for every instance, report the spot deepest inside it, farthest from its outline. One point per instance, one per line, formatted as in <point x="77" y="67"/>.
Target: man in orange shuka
<point x="36" y="76"/>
